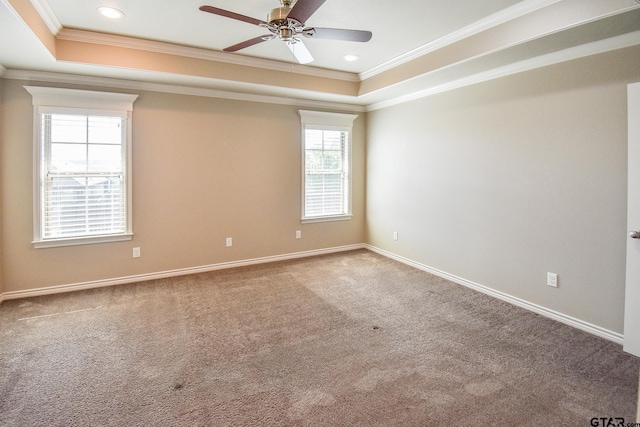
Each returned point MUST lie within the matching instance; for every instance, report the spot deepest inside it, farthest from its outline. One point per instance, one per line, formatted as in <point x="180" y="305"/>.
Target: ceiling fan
<point x="287" y="23"/>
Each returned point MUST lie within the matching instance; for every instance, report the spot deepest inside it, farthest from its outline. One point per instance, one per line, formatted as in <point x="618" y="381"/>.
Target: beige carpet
<point x="348" y="339"/>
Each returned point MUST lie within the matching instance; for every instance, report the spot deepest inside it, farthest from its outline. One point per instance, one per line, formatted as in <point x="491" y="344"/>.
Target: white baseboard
<point x="560" y="317"/>
<point x="563" y="318"/>
<point x="171" y="273"/>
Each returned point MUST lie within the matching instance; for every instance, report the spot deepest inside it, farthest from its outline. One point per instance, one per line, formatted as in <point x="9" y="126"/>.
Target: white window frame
<point x="321" y="120"/>
<point x="48" y="100"/>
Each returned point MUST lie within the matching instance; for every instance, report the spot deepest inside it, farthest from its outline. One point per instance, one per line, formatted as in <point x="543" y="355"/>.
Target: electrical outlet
<point x="229" y="242"/>
<point x="552" y="280"/>
<point x="298" y="234"/>
<point x="136" y="252"/>
<point x="395" y="235"/>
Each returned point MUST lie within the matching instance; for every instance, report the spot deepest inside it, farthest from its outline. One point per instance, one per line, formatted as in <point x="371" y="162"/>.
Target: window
<point x="82" y="149"/>
<point x="326" y="165"/>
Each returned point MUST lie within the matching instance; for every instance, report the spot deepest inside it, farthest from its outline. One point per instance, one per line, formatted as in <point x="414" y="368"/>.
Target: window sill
<point x="39" y="244"/>
<point x="326" y="218"/>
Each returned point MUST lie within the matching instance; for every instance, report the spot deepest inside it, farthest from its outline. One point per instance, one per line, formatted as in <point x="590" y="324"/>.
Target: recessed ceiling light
<point x="351" y="57"/>
<point x="110" y="12"/>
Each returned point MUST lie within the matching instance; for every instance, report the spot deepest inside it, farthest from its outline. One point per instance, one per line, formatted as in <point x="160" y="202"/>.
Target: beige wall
<point x="497" y="183"/>
<point x="502" y="182"/>
<point x="204" y="169"/>
<point x="1" y="183"/>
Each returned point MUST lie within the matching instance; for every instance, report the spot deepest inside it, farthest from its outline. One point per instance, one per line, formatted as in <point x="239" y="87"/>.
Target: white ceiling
<point x="397" y="27"/>
<point x="404" y="35"/>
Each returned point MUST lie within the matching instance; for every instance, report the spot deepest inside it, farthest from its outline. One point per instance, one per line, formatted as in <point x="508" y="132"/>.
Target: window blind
<point x="326" y="174"/>
<point x="84" y="185"/>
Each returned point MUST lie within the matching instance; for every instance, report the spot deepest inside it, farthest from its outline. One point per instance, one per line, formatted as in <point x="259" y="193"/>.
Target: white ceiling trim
<point x="19" y="19"/>
<point x="502" y="48"/>
<point x="508" y="14"/>
<point x="200" y="53"/>
<point x="601" y="46"/>
<point x="47" y="15"/>
<point x="60" y="78"/>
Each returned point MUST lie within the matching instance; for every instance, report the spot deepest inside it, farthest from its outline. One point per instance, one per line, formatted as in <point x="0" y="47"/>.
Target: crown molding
<point x="83" y="36"/>
<point x="105" y="82"/>
<point x="508" y="14"/>
<point x="47" y="15"/>
<point x="602" y="46"/>
<point x="594" y="48"/>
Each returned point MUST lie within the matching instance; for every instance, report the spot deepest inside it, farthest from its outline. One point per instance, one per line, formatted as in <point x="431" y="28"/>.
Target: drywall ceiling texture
<point x="502" y="182"/>
<point x="203" y="169"/>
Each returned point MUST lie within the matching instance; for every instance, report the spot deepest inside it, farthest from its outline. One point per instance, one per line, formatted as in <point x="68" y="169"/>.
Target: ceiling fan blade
<point x="232" y="15"/>
<point x="337" y="34"/>
<point x="300" y="51"/>
<point x="247" y="43"/>
<point x="303" y="9"/>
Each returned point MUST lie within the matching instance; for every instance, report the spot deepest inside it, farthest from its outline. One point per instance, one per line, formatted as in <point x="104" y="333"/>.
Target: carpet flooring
<point x="345" y="339"/>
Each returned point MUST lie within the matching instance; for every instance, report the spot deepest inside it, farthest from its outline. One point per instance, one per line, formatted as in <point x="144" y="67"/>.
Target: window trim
<point x="48" y="99"/>
<point x="327" y="121"/>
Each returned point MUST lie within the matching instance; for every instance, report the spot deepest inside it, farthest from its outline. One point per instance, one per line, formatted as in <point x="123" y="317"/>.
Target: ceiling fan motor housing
<point x="279" y="19"/>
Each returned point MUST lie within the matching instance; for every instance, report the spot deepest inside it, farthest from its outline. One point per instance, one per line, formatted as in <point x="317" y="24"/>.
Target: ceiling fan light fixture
<point x="351" y="57"/>
<point x="110" y="12"/>
<point x="286" y="33"/>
